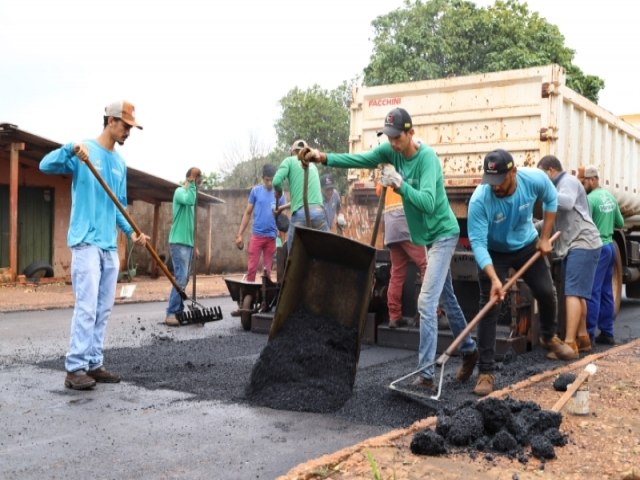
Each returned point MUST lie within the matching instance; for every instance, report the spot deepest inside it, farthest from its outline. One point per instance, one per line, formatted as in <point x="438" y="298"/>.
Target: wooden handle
<point x="133" y="224"/>
<point x="573" y="388"/>
<point x="376" y="224"/>
<point x="492" y="301"/>
<point x="305" y="197"/>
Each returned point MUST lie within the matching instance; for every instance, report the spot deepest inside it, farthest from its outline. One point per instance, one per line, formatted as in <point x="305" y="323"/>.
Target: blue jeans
<point x="94" y="275"/>
<point x="438" y="288"/>
<point x="318" y="219"/>
<point x="181" y="256"/>
<point x="600" y="308"/>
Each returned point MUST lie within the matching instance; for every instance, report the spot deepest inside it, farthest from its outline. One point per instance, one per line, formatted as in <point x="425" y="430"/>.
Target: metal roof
<point x="140" y="185"/>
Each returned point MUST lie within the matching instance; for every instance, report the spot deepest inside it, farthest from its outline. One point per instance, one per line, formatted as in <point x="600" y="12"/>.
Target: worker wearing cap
<point x="606" y="214"/>
<point x="263" y="230"/>
<point x="503" y="236"/>
<point x="331" y="200"/>
<point x="579" y="248"/>
<point x="413" y="170"/>
<point x="92" y="239"/>
<point x="291" y="170"/>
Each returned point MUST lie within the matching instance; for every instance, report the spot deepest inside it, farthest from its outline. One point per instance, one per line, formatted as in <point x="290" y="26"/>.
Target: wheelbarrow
<point x="252" y="297"/>
<point x="327" y="275"/>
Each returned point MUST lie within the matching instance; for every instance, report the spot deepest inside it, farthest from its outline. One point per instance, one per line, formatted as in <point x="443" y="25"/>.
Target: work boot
<point x="559" y="349"/>
<point x="423" y="383"/>
<point x="102" y="375"/>
<point x="79" y="380"/>
<point x="171" y="320"/>
<point x="604" y="339"/>
<point x="468" y="364"/>
<point x="584" y="343"/>
<point x="485" y="384"/>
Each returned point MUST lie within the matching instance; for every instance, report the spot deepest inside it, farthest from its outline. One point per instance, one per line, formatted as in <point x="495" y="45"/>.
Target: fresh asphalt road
<point x="126" y="430"/>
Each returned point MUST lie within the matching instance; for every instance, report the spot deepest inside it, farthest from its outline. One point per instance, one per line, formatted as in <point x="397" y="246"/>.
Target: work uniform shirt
<point x="184" y="200"/>
<point x="605" y="213"/>
<point x="291" y="169"/>
<point x="426" y="206"/>
<point x="93" y="213"/>
<point x="505" y="224"/>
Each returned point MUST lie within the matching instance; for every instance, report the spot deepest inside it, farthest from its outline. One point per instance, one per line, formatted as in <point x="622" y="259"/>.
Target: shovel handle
<point x="133" y="224"/>
<point x="376" y="224"/>
<point x="490" y="304"/>
<point x="305" y="196"/>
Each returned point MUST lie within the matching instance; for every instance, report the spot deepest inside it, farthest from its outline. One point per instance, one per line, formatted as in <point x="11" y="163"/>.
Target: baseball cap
<point x="123" y="110"/>
<point x="496" y="166"/>
<point x="297" y="146"/>
<point x="326" y="181"/>
<point x="590" y="171"/>
<point x="396" y="122"/>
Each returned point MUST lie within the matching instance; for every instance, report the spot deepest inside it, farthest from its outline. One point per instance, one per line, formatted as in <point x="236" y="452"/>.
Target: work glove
<point x="390" y="177"/>
<point x="310" y="155"/>
<point x="341" y="221"/>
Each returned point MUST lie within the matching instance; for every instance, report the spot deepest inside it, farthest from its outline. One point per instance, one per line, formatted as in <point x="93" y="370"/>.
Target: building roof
<point x="140" y="185"/>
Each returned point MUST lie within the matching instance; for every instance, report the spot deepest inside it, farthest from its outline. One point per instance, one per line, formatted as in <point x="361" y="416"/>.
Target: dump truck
<point x="529" y="112"/>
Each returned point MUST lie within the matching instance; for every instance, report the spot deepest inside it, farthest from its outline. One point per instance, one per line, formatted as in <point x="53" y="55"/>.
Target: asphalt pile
<point x="562" y="381"/>
<point x="309" y="366"/>
<point x="496" y="427"/>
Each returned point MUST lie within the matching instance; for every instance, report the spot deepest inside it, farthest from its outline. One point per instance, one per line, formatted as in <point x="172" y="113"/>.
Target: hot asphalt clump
<point x="309" y="366"/>
<point x="562" y="381"/>
<point x="493" y="426"/>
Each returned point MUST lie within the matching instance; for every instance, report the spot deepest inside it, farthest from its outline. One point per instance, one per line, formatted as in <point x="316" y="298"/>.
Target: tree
<point x="441" y="38"/>
<point x="321" y="118"/>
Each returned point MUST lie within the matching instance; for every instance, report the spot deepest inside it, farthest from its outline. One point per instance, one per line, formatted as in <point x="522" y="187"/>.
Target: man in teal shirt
<point x="413" y="170"/>
<point x="181" y="240"/>
<point x="92" y="239"/>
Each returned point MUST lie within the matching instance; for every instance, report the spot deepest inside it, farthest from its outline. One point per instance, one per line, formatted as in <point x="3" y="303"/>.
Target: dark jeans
<point x="538" y="279"/>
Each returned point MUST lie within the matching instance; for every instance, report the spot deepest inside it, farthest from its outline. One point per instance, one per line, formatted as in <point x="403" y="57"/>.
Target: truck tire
<point x="616" y="280"/>
<point x="38" y="269"/>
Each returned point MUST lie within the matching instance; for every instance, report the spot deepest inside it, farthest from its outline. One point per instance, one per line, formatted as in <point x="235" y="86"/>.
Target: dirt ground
<point x="604" y="444"/>
<point x="45" y="295"/>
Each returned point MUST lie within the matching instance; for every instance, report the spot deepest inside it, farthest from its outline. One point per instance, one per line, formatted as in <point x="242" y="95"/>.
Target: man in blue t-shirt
<point x="263" y="233"/>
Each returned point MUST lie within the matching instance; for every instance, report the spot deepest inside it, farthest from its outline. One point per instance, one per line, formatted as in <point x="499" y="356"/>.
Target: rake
<point x="198" y="313"/>
<point x="444" y="357"/>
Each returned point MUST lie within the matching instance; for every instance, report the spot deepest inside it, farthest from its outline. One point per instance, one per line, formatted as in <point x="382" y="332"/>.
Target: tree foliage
<point x="441" y="38"/>
<point x="320" y="117"/>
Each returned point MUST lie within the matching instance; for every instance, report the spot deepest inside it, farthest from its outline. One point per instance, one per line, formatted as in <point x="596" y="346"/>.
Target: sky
<point x="206" y="80"/>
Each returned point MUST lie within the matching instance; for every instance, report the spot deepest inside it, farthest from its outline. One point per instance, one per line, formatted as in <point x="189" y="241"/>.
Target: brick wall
<point x="225" y="221"/>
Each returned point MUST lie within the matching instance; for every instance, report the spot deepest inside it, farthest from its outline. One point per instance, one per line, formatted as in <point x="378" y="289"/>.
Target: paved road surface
<point x="192" y="423"/>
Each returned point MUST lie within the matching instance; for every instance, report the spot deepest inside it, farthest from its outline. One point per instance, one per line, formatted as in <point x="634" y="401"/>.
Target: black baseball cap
<point x="326" y="181"/>
<point x="397" y="121"/>
<point x="496" y="166"/>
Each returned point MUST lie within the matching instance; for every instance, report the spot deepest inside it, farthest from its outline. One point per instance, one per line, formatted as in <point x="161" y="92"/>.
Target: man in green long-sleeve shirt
<point x="414" y="171"/>
<point x="181" y="240"/>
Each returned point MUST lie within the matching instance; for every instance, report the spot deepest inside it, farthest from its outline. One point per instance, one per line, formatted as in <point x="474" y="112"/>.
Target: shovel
<point x="442" y="359"/>
<point x="198" y="313"/>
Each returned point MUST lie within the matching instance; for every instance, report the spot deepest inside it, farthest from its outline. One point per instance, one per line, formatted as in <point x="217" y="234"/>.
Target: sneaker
<point x="468" y="364"/>
<point x="604" y="339"/>
<point x="485" y="384"/>
<point x="102" y="375"/>
<point x="584" y="343"/>
<point x="79" y="380"/>
<point x="422" y="382"/>
<point x="171" y="320"/>
<point x="397" y="323"/>
<point x="559" y="349"/>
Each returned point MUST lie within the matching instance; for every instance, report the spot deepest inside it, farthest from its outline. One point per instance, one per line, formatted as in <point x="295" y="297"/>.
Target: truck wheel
<point x="246" y="311"/>
<point x="617" y="280"/>
<point x="38" y="269"/>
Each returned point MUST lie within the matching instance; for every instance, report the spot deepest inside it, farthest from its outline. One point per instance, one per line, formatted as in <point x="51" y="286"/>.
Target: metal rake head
<point x="199" y="315"/>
